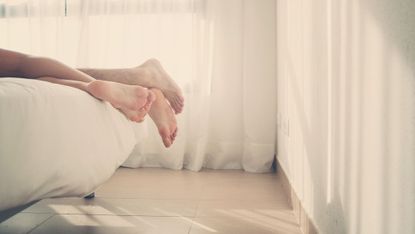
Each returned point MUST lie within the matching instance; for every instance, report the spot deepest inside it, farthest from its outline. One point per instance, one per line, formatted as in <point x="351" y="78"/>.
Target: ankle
<point x="95" y="88"/>
<point x="144" y="73"/>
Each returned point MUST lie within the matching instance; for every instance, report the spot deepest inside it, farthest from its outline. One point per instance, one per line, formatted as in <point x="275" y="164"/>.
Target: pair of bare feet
<point x="161" y="100"/>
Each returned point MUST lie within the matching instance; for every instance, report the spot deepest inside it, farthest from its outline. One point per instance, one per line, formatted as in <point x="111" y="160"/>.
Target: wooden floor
<point x="166" y="201"/>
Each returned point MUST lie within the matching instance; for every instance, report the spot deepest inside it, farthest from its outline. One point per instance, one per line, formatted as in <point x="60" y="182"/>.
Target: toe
<point x="167" y="142"/>
<point x="137" y="118"/>
<point x="134" y="119"/>
<point x="180" y="100"/>
<point x="145" y="108"/>
<point x="176" y="107"/>
<point x="141" y="118"/>
<point x="173" y="135"/>
<point x="165" y="136"/>
<point x="142" y="114"/>
<point x="178" y="110"/>
<point x="180" y="103"/>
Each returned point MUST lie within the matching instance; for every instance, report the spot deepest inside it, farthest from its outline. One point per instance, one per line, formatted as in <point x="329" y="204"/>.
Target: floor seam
<point x="161" y="216"/>
<point x="31" y="230"/>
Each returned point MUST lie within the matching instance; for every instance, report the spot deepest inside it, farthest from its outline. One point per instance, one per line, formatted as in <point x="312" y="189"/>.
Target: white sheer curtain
<point x="222" y="54"/>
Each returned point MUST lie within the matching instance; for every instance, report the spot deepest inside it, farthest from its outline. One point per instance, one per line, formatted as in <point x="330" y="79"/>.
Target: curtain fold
<point x="222" y="54"/>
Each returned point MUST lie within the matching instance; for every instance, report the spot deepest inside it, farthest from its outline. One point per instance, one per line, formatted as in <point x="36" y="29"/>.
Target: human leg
<point x="132" y="100"/>
<point x="164" y="118"/>
<point x="149" y="74"/>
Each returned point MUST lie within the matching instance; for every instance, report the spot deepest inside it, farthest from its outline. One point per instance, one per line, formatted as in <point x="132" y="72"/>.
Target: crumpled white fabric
<point x="56" y="141"/>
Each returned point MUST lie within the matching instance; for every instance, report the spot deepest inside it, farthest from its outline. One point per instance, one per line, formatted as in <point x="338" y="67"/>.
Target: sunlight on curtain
<point x="220" y="52"/>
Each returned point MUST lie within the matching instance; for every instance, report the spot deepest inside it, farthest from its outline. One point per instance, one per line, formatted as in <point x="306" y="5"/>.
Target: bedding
<point x="56" y="141"/>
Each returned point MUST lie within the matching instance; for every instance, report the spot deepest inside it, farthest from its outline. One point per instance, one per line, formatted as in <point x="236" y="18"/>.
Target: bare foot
<point x="161" y="80"/>
<point x="163" y="117"/>
<point x="138" y="115"/>
<point x="133" y="100"/>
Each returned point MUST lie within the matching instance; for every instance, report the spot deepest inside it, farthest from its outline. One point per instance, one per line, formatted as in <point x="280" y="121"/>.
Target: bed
<point x="56" y="141"/>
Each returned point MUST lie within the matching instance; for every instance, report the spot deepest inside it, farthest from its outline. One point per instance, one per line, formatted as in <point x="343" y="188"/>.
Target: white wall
<point x="346" y="111"/>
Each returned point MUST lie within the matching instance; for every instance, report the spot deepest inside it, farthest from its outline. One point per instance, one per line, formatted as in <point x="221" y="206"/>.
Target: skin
<point x="163" y="117"/>
<point x="134" y="91"/>
<point x="150" y="74"/>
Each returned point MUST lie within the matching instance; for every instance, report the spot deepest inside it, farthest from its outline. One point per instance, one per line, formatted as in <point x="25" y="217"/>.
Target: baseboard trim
<point x="306" y="224"/>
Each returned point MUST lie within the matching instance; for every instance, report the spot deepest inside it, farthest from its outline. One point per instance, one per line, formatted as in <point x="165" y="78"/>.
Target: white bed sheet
<point x="56" y="141"/>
